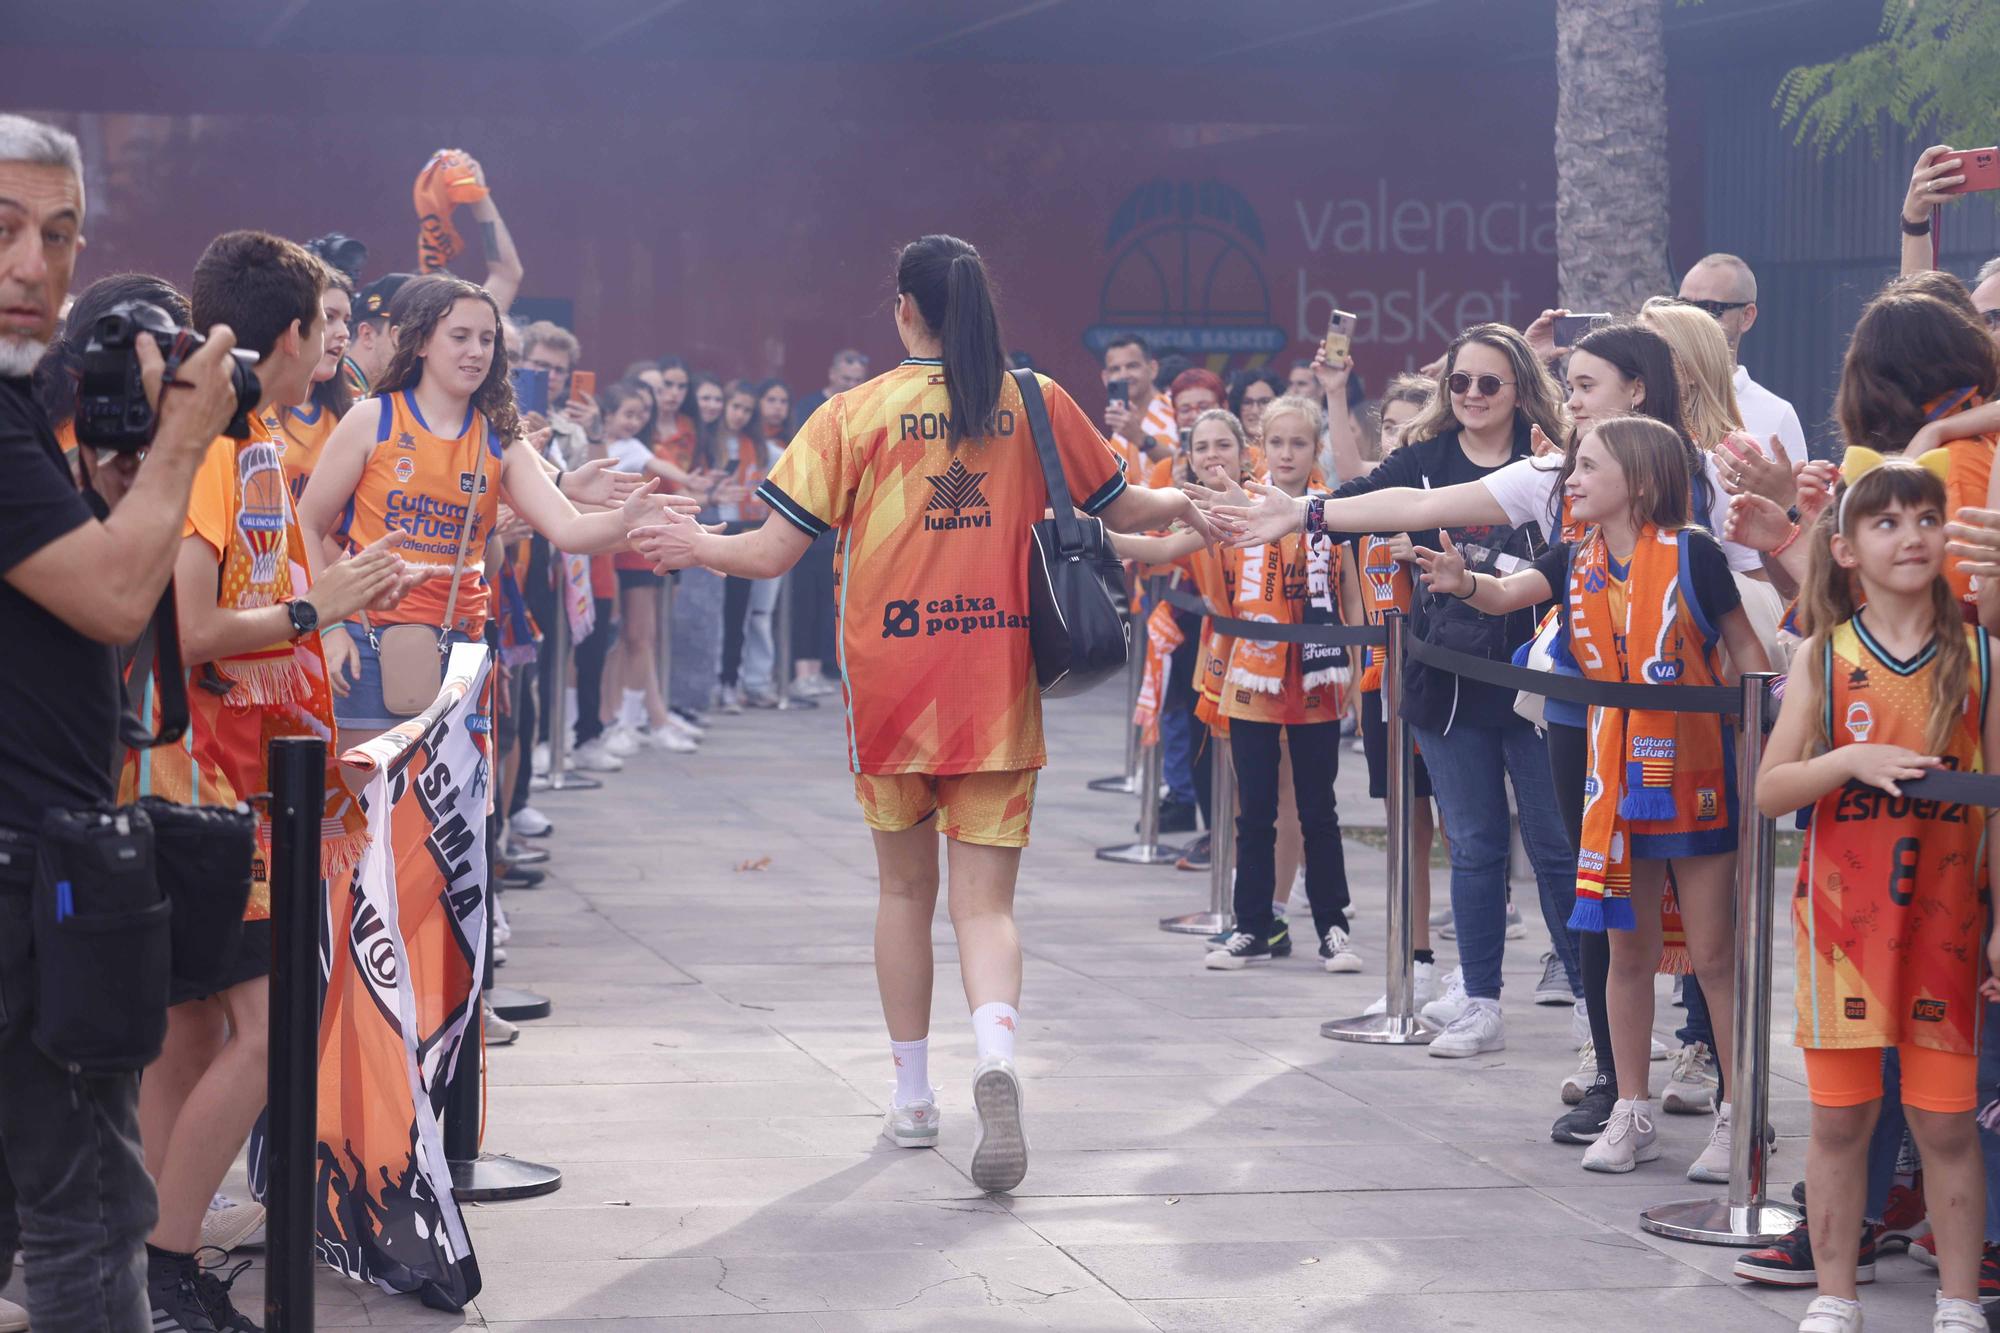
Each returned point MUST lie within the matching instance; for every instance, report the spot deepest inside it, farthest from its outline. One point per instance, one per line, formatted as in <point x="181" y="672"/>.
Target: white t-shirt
<point x="1765" y="414"/>
<point x="629" y="455"/>
<point x="1526" y="489"/>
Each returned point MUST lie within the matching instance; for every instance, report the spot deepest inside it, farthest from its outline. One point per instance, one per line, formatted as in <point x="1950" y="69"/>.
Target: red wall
<point x="746" y="217"/>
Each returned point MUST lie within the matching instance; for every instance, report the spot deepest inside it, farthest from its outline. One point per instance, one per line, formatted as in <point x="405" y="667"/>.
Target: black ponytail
<point x="947" y="280"/>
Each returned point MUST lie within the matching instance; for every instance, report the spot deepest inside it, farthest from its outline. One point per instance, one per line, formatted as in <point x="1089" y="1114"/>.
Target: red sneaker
<point x="1903" y="1219"/>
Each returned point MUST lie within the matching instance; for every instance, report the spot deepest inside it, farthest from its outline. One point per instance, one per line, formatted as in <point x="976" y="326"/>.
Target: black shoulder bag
<point x="1073" y="625"/>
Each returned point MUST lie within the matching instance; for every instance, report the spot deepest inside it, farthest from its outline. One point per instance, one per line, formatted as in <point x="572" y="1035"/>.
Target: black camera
<point x="111" y="407"/>
<point x="342" y="252"/>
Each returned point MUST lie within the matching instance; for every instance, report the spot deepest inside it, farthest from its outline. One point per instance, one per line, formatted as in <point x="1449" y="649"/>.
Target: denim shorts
<point x="363" y="709"/>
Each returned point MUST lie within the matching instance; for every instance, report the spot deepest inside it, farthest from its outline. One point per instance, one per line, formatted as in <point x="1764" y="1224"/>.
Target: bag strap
<point x="156" y="654"/>
<point x="464" y="533"/>
<point x="1070" y="534"/>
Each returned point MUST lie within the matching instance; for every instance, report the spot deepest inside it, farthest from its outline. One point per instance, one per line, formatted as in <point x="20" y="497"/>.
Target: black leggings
<point x="1315" y="750"/>
<point x="735" y="617"/>
<point x="1569" y="764"/>
<point x="590" y="672"/>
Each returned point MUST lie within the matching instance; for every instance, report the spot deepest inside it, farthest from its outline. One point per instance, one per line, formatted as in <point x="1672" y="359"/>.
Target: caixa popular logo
<point x="1186" y="271"/>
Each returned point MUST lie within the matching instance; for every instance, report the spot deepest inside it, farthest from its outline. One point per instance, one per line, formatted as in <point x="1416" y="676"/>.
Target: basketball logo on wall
<point x="1186" y="271"/>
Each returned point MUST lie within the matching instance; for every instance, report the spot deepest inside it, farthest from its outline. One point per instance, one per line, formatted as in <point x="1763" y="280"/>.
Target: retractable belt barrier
<point x="1744" y="1216"/>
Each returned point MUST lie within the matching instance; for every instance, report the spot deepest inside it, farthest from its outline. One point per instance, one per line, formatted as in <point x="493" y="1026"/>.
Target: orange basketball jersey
<point x="417" y="482"/>
<point x="932" y="580"/>
<point x="300" y="435"/>
<point x="1385" y="587"/>
<point x="1890" y="911"/>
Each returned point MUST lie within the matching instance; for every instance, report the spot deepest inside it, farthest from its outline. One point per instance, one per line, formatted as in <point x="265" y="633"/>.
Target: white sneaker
<point x="912" y="1126"/>
<point x="13" y="1319"/>
<point x="680" y="727"/>
<point x="1579" y="1026"/>
<point x="499" y="1032"/>
<point x="1445" y="1009"/>
<point x="1517" y="929"/>
<point x="1955" y="1316"/>
<point x="1424" y="987"/>
<point x="1712" y="1167"/>
<point x="688" y="723"/>
<point x="530" y="823"/>
<point x="1582" y="1076"/>
<point x="730" y="701"/>
<point x="1690" y="1082"/>
<point x="594" y="757"/>
<point x="1340" y="955"/>
<point x="503" y="929"/>
<point x="539" y="762"/>
<point x="661" y="738"/>
<point x="1628" y="1139"/>
<point x="1831" y="1314"/>
<point x="1660" y="1051"/>
<point x="228" y="1226"/>
<point x="1475" y="1032"/>
<point x="1440" y="916"/>
<point x="1000" y="1145"/>
<point x="621" y="742"/>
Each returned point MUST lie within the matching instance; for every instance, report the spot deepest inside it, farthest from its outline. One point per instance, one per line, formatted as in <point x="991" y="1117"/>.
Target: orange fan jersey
<point x="1385" y="587"/>
<point x="417" y="482"/>
<point x="1890" y="911"/>
<point x="932" y="580"/>
<point x="300" y="436"/>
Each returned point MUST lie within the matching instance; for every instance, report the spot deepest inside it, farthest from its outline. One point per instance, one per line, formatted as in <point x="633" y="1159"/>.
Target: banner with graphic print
<point x="402" y="959"/>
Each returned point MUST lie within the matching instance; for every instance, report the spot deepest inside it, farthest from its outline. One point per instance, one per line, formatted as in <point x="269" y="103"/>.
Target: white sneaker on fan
<point x="621" y="742"/>
<point x="1424" y="982"/>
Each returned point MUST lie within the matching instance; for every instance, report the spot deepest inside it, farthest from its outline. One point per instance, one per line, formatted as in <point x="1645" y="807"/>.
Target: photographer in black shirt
<point x="76" y="583"/>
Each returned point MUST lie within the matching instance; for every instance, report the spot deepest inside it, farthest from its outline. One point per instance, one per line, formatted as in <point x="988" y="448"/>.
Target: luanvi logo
<point x="951" y="495"/>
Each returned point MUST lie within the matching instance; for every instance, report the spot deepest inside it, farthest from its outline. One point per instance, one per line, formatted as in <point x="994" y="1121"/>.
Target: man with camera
<point x="74" y="1194"/>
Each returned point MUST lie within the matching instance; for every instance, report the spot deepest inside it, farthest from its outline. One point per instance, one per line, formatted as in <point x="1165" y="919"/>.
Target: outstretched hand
<point x="672" y="545"/>
<point x="595" y="483"/>
<point x="1756" y="522"/>
<point x="1444" y="570"/>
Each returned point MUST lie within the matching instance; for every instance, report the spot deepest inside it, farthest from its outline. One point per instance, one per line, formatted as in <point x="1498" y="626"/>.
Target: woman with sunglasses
<point x="1494" y="400"/>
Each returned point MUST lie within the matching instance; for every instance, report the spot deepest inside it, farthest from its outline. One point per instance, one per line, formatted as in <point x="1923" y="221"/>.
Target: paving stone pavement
<point x="713" y="1077"/>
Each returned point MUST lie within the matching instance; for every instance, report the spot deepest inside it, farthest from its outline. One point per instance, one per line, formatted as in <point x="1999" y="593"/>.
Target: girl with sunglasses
<point x="1494" y="399"/>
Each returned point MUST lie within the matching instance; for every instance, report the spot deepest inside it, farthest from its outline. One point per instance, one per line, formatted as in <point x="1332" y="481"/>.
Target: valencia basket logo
<point x="1186" y="271"/>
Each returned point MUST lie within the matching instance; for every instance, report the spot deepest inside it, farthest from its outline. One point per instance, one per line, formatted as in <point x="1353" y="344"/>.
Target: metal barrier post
<point x="1745" y="1216"/>
<point x="298" y="797"/>
<point x="1399" y="1023"/>
<point x="1147" y="851"/>
<point x="560" y="778"/>
<point x="1221" y="913"/>
<point x="1135" y="670"/>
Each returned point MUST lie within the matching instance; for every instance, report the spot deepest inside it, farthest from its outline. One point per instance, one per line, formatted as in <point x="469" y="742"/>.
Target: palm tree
<point x="1611" y="154"/>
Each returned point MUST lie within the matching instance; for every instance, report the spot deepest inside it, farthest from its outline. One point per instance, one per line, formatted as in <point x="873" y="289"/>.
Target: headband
<point x="1860" y="460"/>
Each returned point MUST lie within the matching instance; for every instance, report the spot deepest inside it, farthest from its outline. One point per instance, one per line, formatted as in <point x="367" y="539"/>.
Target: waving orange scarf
<point x="1163" y="636"/>
<point x="1657" y="784"/>
<point x="445" y="182"/>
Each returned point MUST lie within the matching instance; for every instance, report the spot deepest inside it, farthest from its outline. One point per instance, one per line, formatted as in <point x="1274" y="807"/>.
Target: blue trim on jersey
<point x="410" y="401"/>
<point x="795" y="513"/>
<point x="1104" y="495"/>
<point x="1685" y="577"/>
<point x="1888" y="659"/>
<point x="388" y="419"/>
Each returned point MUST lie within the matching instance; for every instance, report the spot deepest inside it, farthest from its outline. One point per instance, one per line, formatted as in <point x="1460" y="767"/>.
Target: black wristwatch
<point x="305" y="617"/>
<point x="1915" y="228"/>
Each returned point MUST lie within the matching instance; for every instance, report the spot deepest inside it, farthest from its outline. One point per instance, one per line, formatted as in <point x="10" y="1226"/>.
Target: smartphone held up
<point x="1338" y="346"/>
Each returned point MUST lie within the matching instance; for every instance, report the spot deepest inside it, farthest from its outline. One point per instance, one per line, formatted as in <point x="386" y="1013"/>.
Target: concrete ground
<point x="713" y="1077"/>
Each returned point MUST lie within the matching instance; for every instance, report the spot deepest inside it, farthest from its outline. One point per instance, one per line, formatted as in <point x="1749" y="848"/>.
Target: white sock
<point x="633" y="711"/>
<point x="993" y="1028"/>
<point x="569" y="707"/>
<point x="913" y="1072"/>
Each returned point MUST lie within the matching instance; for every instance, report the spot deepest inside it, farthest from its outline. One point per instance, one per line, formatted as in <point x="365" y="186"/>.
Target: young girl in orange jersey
<point x="405" y="461"/>
<point x="930" y="475"/>
<point x="1649" y="599"/>
<point x="302" y="432"/>
<point x="1889" y="917"/>
<point x="1272" y="689"/>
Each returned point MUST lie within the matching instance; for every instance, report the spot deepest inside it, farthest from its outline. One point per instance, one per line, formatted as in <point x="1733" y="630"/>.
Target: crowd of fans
<point x="1629" y="495"/>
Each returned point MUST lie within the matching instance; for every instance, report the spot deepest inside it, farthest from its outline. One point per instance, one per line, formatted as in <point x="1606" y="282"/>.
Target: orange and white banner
<point x="402" y="958"/>
<point x="1163" y="636"/>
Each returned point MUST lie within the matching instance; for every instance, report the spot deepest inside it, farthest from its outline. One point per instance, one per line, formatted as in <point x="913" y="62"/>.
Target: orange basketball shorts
<point x="990" y="809"/>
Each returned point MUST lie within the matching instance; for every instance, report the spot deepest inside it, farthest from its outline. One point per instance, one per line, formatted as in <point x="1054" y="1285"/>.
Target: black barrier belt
<point x="1352" y="636"/>
<point x="1964" y="788"/>
<point x="1577" y="689"/>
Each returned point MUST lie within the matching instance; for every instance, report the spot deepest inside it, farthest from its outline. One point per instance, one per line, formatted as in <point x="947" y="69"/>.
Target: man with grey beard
<point x="75" y="582"/>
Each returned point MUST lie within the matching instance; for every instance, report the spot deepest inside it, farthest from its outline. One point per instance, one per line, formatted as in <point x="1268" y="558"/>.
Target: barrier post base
<point x="517" y="1005"/>
<point x="1715" y="1222"/>
<point x="1199" y="923"/>
<point x="1140" y="854"/>
<point x="572" y="782"/>
<point x="1379" y="1030"/>
<point x="1123" y="785"/>
<point x="489" y="1178"/>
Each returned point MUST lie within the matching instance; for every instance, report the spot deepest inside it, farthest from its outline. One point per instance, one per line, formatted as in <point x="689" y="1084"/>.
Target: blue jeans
<point x="1989" y="1140"/>
<point x="1885" y="1145"/>
<point x="1466" y="766"/>
<point x="1177" y="753"/>
<point x="1699" y="1026"/>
